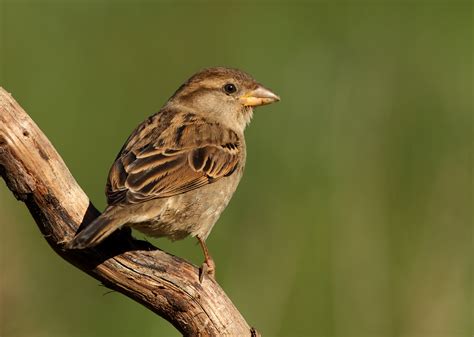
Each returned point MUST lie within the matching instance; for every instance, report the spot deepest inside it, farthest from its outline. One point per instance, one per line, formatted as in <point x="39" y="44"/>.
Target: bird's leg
<point x="208" y="267"/>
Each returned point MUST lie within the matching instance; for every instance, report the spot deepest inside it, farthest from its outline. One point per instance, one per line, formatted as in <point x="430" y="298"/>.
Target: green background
<point x="355" y="214"/>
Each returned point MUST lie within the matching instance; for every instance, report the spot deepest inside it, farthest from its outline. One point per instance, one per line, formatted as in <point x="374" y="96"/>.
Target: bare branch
<point x="166" y="284"/>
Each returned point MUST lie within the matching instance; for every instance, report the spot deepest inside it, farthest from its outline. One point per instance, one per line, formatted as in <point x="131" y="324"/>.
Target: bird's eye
<point x="230" y="88"/>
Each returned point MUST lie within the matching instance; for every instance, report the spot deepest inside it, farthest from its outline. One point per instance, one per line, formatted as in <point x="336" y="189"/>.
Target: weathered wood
<point x="166" y="284"/>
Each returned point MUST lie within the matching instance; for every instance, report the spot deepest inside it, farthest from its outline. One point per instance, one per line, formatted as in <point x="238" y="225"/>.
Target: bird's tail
<point x="95" y="232"/>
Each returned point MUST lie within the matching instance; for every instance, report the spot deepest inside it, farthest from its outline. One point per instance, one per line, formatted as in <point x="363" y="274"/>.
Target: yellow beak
<point x="259" y="96"/>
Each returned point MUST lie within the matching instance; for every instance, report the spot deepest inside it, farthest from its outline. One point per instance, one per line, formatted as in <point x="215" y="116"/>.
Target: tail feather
<point x="95" y="232"/>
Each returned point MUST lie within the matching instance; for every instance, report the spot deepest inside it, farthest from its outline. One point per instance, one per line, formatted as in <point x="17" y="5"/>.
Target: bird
<point x="179" y="168"/>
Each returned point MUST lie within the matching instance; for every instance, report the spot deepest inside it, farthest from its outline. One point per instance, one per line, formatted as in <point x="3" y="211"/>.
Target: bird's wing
<point x="181" y="158"/>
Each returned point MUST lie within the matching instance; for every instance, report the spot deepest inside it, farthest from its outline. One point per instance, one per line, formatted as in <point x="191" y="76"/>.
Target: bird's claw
<point x="207" y="268"/>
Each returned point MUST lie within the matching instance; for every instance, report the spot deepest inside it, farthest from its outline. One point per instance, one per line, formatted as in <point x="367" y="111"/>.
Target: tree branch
<point x="166" y="284"/>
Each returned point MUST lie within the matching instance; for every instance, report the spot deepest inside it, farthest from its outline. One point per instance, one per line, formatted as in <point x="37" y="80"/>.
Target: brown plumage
<point x="178" y="170"/>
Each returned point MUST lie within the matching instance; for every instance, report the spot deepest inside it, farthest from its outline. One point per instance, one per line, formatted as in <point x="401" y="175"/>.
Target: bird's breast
<point x="192" y="213"/>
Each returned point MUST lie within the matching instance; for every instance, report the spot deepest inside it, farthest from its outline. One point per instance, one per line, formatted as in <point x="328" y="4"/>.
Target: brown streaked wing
<point x="156" y="171"/>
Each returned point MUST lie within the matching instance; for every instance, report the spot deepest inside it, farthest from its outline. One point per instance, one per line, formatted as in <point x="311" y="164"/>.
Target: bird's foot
<point x="208" y="268"/>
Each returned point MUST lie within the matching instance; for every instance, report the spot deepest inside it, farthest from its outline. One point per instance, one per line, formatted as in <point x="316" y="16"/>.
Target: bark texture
<point x="166" y="284"/>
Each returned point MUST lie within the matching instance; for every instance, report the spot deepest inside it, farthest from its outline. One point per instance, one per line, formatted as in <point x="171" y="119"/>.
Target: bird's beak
<point x="259" y="96"/>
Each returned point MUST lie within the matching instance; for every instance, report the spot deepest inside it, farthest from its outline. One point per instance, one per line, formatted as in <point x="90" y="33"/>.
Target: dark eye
<point x="230" y="88"/>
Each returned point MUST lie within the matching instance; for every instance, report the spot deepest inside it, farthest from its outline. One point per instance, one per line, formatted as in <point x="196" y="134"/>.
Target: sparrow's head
<point x="228" y="95"/>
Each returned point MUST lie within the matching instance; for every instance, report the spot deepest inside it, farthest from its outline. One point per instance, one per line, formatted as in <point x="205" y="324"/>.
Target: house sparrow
<point x="178" y="170"/>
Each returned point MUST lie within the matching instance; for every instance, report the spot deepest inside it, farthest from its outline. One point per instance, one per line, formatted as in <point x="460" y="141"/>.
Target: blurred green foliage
<point x="355" y="215"/>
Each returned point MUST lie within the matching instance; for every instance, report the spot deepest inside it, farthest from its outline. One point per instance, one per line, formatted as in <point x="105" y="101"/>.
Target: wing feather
<point x="173" y="161"/>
